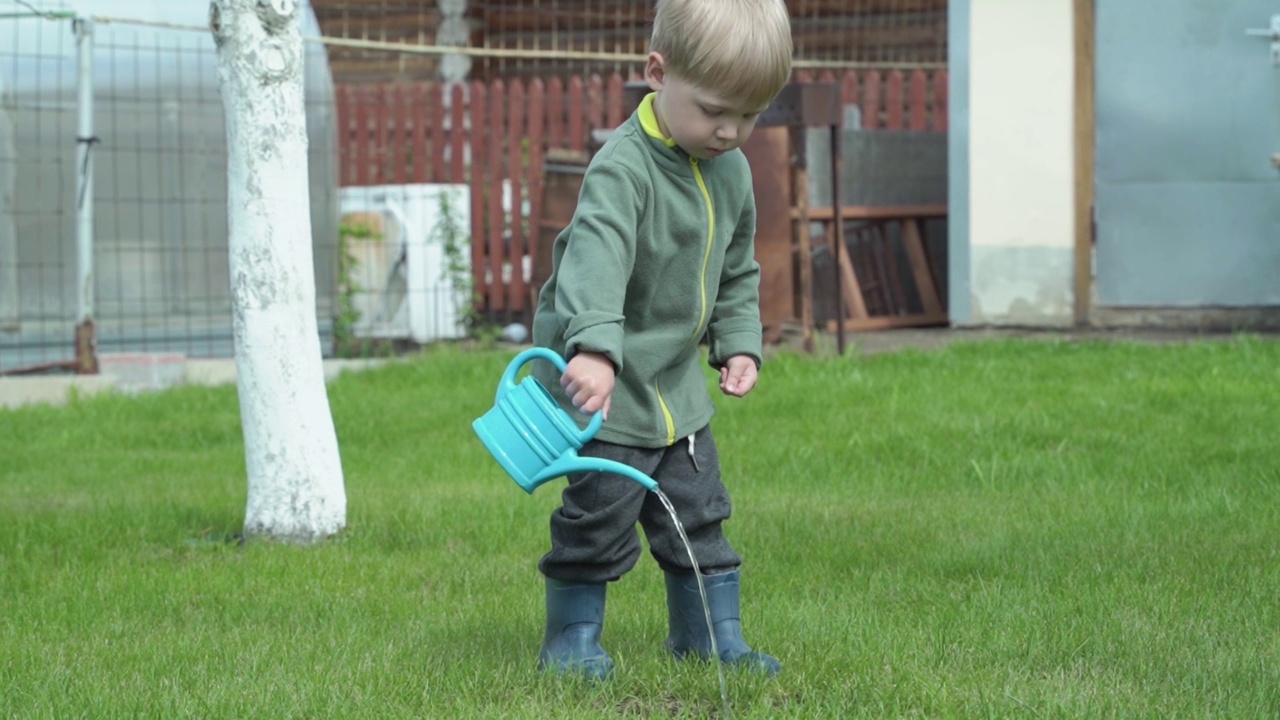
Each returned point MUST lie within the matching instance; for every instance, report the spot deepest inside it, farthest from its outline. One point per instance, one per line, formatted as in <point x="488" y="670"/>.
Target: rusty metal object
<point x="797" y="107"/>
<point x="86" y="362"/>
<point x="768" y="153"/>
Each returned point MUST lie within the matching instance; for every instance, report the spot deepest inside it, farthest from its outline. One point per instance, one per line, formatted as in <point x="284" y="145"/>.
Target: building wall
<point x="1021" y="224"/>
<point x="958" y="272"/>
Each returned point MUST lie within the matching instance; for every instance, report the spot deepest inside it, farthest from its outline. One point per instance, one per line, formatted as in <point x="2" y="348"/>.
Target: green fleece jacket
<point x="660" y="251"/>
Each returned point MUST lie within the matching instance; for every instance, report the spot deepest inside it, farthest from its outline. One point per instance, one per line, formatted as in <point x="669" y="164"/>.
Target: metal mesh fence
<point x="580" y="37"/>
<point x="414" y="23"/>
<point x="159" y="251"/>
<point x="159" y="216"/>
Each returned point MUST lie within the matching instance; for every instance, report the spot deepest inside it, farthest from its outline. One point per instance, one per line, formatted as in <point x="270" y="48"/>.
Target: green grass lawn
<point x="1008" y="529"/>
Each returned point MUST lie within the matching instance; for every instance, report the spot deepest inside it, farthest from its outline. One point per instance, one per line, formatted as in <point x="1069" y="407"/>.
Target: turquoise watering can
<point x="536" y="441"/>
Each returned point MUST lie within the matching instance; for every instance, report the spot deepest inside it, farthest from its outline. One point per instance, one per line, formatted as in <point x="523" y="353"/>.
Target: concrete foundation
<point x="137" y="372"/>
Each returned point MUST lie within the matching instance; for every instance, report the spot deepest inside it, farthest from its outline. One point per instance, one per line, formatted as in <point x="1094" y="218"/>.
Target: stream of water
<point x="702" y="590"/>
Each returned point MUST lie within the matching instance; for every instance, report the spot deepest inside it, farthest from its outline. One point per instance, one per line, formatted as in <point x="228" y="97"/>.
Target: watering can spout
<point x="534" y="439"/>
<point x="577" y="464"/>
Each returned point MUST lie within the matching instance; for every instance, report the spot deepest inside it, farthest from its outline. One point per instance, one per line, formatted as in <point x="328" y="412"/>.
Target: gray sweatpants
<point x="593" y="533"/>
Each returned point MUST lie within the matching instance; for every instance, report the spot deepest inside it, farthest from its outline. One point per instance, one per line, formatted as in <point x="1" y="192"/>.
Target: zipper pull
<point x="692" y="456"/>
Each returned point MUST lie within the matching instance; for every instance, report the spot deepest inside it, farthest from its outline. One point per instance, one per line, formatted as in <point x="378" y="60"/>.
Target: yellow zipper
<point x="666" y="415"/>
<point x="702" y="288"/>
<point x="711" y="239"/>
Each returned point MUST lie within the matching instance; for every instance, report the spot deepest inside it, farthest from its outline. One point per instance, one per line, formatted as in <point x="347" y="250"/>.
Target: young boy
<point x="660" y="251"/>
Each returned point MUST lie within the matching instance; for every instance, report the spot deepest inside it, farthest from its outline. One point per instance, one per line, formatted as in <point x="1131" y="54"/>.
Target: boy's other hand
<point x="738" y="375"/>
<point x="588" y="380"/>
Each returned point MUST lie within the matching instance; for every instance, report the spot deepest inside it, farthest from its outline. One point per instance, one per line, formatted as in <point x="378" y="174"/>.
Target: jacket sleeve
<point x="591" y="281"/>
<point x="735" y="319"/>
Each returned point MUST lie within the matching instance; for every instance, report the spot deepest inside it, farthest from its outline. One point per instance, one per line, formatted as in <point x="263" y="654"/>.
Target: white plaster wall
<point x="1021" y="172"/>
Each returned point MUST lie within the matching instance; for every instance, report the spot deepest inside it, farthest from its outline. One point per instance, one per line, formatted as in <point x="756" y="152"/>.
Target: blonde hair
<point x="741" y="48"/>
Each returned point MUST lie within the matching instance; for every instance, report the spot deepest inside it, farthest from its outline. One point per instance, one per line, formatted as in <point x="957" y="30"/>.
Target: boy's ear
<point x="655" y="71"/>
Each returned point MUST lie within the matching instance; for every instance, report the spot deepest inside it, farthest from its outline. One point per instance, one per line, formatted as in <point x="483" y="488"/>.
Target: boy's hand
<point x="588" y="380"/>
<point x="738" y="375"/>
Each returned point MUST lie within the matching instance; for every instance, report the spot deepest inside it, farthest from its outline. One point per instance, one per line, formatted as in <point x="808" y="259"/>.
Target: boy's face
<point x="702" y="122"/>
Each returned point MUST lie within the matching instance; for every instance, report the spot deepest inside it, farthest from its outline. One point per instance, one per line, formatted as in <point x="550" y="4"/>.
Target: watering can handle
<point x="508" y="382"/>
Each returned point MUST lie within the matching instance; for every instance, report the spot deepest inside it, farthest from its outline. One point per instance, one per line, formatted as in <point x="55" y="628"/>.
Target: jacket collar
<point x="670" y="156"/>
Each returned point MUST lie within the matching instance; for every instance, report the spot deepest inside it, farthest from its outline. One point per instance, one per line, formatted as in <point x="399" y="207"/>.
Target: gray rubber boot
<point x="575" y="618"/>
<point x="688" y="622"/>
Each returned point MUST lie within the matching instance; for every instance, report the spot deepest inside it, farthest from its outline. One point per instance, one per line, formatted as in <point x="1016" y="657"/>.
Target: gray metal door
<point x="1188" y="176"/>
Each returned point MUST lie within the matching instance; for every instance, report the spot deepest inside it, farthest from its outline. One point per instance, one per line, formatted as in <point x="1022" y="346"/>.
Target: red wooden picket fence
<point x="496" y="135"/>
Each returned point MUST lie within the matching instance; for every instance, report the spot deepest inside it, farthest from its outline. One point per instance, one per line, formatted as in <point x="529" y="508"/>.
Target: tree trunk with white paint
<point x="296" y="490"/>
